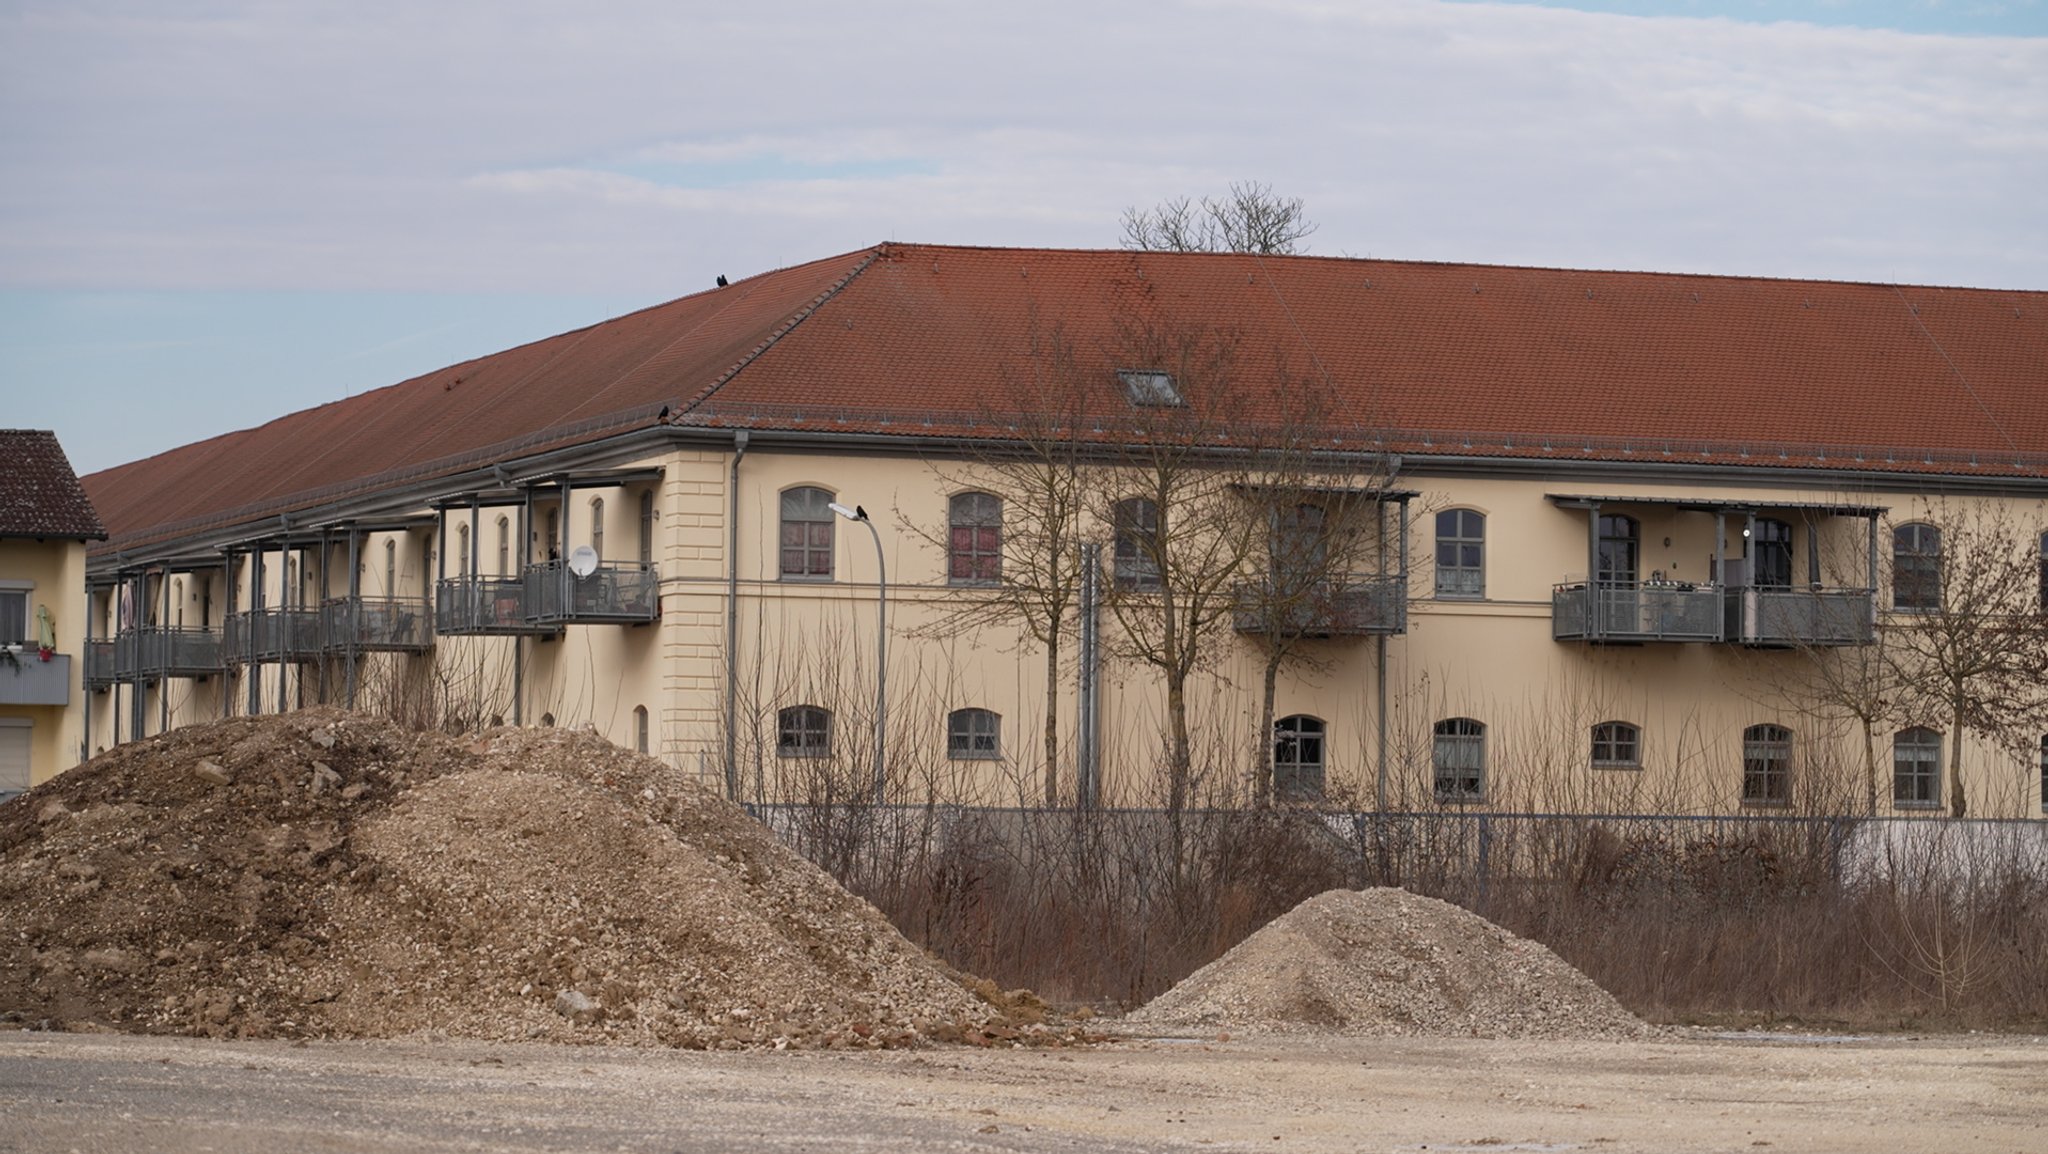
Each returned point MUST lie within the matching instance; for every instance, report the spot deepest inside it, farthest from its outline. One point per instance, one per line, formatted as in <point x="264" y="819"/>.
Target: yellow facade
<point x="49" y="575"/>
<point x="1490" y="658"/>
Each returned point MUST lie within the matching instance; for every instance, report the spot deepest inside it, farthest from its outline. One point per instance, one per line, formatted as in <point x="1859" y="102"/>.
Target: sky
<point x="216" y="212"/>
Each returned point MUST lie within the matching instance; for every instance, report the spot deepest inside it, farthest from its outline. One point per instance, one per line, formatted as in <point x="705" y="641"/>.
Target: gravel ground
<point x="111" y="1093"/>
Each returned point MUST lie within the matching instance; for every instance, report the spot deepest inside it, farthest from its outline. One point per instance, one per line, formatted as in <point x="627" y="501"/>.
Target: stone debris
<point x="520" y="884"/>
<point x="1388" y="962"/>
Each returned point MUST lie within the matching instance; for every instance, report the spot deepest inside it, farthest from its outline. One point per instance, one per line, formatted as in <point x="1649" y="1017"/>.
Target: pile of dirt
<point x="1388" y="962"/>
<point x="319" y="874"/>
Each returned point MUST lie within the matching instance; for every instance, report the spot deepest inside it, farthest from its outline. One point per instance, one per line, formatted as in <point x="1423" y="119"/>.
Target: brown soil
<point x="329" y="875"/>
<point x="1388" y="962"/>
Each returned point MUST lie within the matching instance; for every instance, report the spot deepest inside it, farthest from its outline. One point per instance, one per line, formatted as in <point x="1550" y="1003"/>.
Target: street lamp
<point x="881" y="646"/>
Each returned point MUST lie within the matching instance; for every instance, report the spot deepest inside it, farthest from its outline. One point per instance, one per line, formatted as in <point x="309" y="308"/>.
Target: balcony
<point x="486" y="606"/>
<point x="100" y="663"/>
<point x="615" y="593"/>
<point x="1634" y="614"/>
<point x="179" y="653"/>
<point x="27" y="679"/>
<point x="1357" y="607"/>
<point x="376" y="624"/>
<point x="1821" y="617"/>
<point x="273" y="635"/>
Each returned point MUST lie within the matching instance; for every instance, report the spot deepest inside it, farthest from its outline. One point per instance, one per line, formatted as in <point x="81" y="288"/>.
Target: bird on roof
<point x="721" y="280"/>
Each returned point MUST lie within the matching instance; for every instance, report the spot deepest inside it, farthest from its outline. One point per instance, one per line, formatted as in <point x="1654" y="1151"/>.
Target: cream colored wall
<point x="57" y="569"/>
<point x="808" y="642"/>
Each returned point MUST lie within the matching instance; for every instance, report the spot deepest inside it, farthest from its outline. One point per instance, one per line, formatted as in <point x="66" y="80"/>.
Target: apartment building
<point x="45" y="522"/>
<point x="1581" y="540"/>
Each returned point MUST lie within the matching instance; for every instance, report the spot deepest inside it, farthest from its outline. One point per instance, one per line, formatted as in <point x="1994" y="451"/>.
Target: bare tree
<point x="1313" y="535"/>
<point x="1033" y="577"/>
<point x="1171" y="495"/>
<point x="1250" y="218"/>
<point x="1970" y="641"/>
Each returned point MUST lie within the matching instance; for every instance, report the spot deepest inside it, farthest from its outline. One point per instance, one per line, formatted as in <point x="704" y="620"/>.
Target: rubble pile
<point x="1388" y="962"/>
<point x="320" y="874"/>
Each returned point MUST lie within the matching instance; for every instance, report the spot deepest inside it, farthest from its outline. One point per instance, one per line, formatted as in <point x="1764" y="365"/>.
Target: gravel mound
<point x="319" y="874"/>
<point x="1388" y="962"/>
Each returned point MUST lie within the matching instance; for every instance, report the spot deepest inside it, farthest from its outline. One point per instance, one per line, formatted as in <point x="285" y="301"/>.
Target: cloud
<point x="633" y="146"/>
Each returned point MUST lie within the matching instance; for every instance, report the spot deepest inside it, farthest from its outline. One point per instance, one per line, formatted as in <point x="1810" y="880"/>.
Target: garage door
<point x="14" y="742"/>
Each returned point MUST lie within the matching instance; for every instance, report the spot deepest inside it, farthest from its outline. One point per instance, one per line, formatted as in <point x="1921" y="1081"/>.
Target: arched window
<point x="462" y="549"/>
<point x="1617" y="745"/>
<point x="974" y="543"/>
<point x="1916" y="768"/>
<point x="1461" y="553"/>
<point x="1770" y="553"/>
<point x="1458" y="759"/>
<point x="390" y="567"/>
<point x="1298" y="758"/>
<point x="597" y="527"/>
<point x="1619" y="549"/>
<point x="803" y="731"/>
<point x="178" y="603"/>
<point x="1916" y="568"/>
<point x="504" y="546"/>
<point x="1136" y="521"/>
<point x="806" y="534"/>
<point x="647" y="527"/>
<point x="640" y="728"/>
<point x="974" y="734"/>
<point x="1766" y="765"/>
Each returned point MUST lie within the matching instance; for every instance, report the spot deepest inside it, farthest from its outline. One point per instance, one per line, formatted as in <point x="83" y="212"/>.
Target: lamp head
<point x="854" y="514"/>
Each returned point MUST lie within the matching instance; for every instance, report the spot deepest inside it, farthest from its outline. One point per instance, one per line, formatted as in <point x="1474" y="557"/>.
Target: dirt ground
<point x="93" y="1093"/>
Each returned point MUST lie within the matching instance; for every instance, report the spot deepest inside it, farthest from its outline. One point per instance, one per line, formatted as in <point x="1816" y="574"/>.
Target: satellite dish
<point x="583" y="560"/>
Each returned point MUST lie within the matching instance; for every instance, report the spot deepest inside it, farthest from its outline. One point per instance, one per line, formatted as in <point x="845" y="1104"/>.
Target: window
<point x="13" y="616"/>
<point x="1618" y="551"/>
<point x="1460" y="553"/>
<point x="2044" y="572"/>
<point x="1916" y="768"/>
<point x="1137" y="544"/>
<point x="807" y="534"/>
<point x="390" y="567"/>
<point x="1916" y="569"/>
<point x="1298" y="758"/>
<point x="1459" y="760"/>
<point x="554" y="537"/>
<point x="462" y="548"/>
<point x="504" y="546"/>
<point x="1149" y="387"/>
<point x="178" y="603"/>
<point x="803" y="731"/>
<point x="1300" y="547"/>
<point x="974" y="734"/>
<point x="1770" y="552"/>
<point x="640" y="728"/>
<point x="1617" y="745"/>
<point x="974" y="541"/>
<point x="647" y="527"/>
<point x="1766" y="765"/>
<point x="597" y="527"/>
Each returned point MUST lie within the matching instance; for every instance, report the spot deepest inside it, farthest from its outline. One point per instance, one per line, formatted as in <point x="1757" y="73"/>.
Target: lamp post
<point x="881" y="646"/>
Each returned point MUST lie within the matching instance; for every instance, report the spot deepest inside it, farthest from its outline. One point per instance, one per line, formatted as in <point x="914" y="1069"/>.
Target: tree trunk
<point x="1179" y="761"/>
<point x="1262" y="783"/>
<point x="1052" y="723"/>
<point x="1958" y="802"/>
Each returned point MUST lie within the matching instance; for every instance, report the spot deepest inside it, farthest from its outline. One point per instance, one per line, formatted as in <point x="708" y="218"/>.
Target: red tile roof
<point x="39" y="494"/>
<point x="1458" y="359"/>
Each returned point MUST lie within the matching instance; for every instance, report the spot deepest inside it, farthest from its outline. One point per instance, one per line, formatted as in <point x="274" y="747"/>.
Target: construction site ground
<point x="104" y="1092"/>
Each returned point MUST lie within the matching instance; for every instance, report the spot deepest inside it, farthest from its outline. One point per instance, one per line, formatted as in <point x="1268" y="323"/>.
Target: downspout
<point x="85" y="702"/>
<point x="732" y="619"/>
<point x="1379" y="648"/>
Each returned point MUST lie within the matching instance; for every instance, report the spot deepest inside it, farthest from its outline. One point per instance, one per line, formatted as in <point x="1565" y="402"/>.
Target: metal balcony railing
<point x="1354" y="607"/>
<point x="615" y="593"/>
<point x="1636" y="612"/>
<point x="179" y="653"/>
<point x="273" y="635"/>
<point x="485" y="606"/>
<point x="27" y="679"/>
<point x="376" y="624"/>
<point x="1818" y="617"/>
<point x="100" y="668"/>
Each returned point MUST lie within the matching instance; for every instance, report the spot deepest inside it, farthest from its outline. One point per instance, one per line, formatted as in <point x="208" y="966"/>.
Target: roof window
<point x="1149" y="387"/>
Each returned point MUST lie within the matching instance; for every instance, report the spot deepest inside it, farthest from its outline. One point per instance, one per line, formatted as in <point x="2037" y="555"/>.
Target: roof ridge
<point x="780" y="332"/>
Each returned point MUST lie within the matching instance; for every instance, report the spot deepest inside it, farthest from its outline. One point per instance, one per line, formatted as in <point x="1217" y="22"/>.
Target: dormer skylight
<point x="1150" y="387"/>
